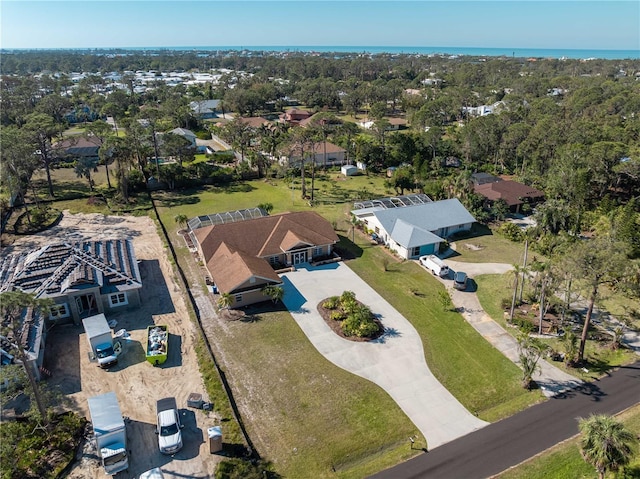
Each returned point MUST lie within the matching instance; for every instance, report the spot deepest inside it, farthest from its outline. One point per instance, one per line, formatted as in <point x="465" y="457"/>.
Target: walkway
<point x="395" y="361"/>
<point x="551" y="379"/>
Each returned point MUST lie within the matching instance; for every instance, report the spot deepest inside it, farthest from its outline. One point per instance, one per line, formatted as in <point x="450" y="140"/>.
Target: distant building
<point x="205" y="109"/>
<point x="514" y="194"/>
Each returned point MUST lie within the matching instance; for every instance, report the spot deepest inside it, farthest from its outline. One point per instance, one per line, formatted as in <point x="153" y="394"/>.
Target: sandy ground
<point x="137" y="383"/>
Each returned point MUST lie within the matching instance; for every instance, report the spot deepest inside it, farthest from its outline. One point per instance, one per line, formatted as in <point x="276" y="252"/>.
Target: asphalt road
<point x="506" y="443"/>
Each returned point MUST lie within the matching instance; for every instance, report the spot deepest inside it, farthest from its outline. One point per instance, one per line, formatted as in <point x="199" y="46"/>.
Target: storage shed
<point x="349" y="170"/>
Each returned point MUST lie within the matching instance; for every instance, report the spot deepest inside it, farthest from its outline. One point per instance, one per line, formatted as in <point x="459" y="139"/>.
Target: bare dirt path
<point x="136" y="383"/>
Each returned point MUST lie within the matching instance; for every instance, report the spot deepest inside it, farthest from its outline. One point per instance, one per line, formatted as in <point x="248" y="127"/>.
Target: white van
<point x="435" y="265"/>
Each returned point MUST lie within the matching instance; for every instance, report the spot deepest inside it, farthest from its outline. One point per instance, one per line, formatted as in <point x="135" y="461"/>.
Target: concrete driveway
<point x="395" y="361"/>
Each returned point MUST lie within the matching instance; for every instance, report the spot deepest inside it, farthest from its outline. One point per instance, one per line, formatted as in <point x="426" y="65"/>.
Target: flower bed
<point x="349" y="318"/>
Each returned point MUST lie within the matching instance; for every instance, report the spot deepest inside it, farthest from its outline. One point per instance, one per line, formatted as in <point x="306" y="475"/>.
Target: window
<point x="377" y="230"/>
<point x="238" y="298"/>
<point x="118" y="299"/>
<point x="317" y="251"/>
<point x="273" y="260"/>
<point x="415" y="251"/>
<point x="59" y="311"/>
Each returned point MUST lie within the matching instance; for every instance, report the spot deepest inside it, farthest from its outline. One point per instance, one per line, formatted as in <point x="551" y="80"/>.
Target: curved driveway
<point x="395" y="361"/>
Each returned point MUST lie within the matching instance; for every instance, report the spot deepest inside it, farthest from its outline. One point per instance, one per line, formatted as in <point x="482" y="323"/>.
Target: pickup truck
<point x="169" y="429"/>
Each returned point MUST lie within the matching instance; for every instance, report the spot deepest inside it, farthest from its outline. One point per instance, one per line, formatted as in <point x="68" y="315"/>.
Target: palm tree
<point x="225" y="301"/>
<point x="268" y="207"/>
<point x="605" y="443"/>
<point x="529" y="351"/>
<point x="276" y="293"/>
<point x="181" y="220"/>
<point x="516" y="277"/>
<point x="570" y="343"/>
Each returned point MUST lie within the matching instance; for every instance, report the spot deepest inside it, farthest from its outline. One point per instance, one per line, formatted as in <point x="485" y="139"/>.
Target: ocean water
<point x="453" y="51"/>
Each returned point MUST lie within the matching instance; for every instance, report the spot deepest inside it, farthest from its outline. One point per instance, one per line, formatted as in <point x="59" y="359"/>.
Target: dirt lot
<point x="136" y="382"/>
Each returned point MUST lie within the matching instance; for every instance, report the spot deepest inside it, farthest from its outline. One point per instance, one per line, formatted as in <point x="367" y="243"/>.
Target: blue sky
<point x="607" y="25"/>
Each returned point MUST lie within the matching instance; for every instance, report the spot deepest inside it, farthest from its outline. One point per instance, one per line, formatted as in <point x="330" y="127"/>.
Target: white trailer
<point x="100" y="340"/>
<point x="435" y="265"/>
<point x="110" y="432"/>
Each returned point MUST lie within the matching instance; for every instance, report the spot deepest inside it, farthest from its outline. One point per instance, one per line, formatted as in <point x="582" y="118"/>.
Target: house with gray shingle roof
<point x="416" y="230"/>
<point x="83" y="278"/>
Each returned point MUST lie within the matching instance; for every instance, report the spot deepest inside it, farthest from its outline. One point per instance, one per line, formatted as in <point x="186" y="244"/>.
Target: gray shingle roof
<point x="57" y="269"/>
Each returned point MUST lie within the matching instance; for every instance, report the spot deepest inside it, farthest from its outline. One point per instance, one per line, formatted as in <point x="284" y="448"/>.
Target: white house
<point x="415" y="230"/>
<point x="323" y="154"/>
<point x="187" y="134"/>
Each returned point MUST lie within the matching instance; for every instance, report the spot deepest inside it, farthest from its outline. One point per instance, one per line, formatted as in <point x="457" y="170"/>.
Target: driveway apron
<point x="395" y="361"/>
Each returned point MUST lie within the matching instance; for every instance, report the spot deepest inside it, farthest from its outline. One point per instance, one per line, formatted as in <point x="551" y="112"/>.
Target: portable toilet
<point x="215" y="439"/>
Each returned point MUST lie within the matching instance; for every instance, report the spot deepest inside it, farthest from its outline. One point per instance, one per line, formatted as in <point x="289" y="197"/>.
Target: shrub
<point x="331" y="303"/>
<point x="135" y="181"/>
<point x="505" y="303"/>
<point x="337" y="315"/>
<point x="511" y="231"/>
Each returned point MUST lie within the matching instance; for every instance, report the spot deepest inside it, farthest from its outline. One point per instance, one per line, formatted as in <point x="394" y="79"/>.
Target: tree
<point x="12" y="307"/>
<point x="122" y="151"/>
<point x="529" y="352"/>
<point x="445" y="300"/>
<point x="594" y="263"/>
<point x="101" y="131"/>
<point x="40" y="129"/>
<point x="177" y="146"/>
<point x="276" y="293"/>
<point x="605" y="443"/>
<point x="17" y="163"/>
<point x="225" y="301"/>
<point x="516" y="271"/>
<point x="268" y="207"/>
<point x="84" y="167"/>
<point x="181" y="220"/>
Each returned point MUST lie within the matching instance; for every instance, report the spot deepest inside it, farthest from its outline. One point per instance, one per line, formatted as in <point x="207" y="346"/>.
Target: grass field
<point x="483" y="246"/>
<point x="565" y="462"/>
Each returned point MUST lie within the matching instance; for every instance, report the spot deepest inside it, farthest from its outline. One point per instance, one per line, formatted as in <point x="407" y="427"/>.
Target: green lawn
<point x="565" y="462"/>
<point x="483" y="245"/>
<point x="332" y="193"/>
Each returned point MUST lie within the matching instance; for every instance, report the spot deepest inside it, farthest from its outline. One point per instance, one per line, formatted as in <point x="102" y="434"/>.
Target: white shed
<point x="348" y="170"/>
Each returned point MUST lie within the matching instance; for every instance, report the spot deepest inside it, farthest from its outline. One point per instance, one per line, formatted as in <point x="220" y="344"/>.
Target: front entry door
<point x="87" y="305"/>
<point x="299" y="257"/>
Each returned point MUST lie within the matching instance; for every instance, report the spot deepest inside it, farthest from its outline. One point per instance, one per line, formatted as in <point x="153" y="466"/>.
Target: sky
<point x="575" y="24"/>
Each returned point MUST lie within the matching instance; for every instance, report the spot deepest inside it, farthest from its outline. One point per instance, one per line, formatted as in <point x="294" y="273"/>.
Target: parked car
<point x="169" y="427"/>
<point x="460" y="280"/>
